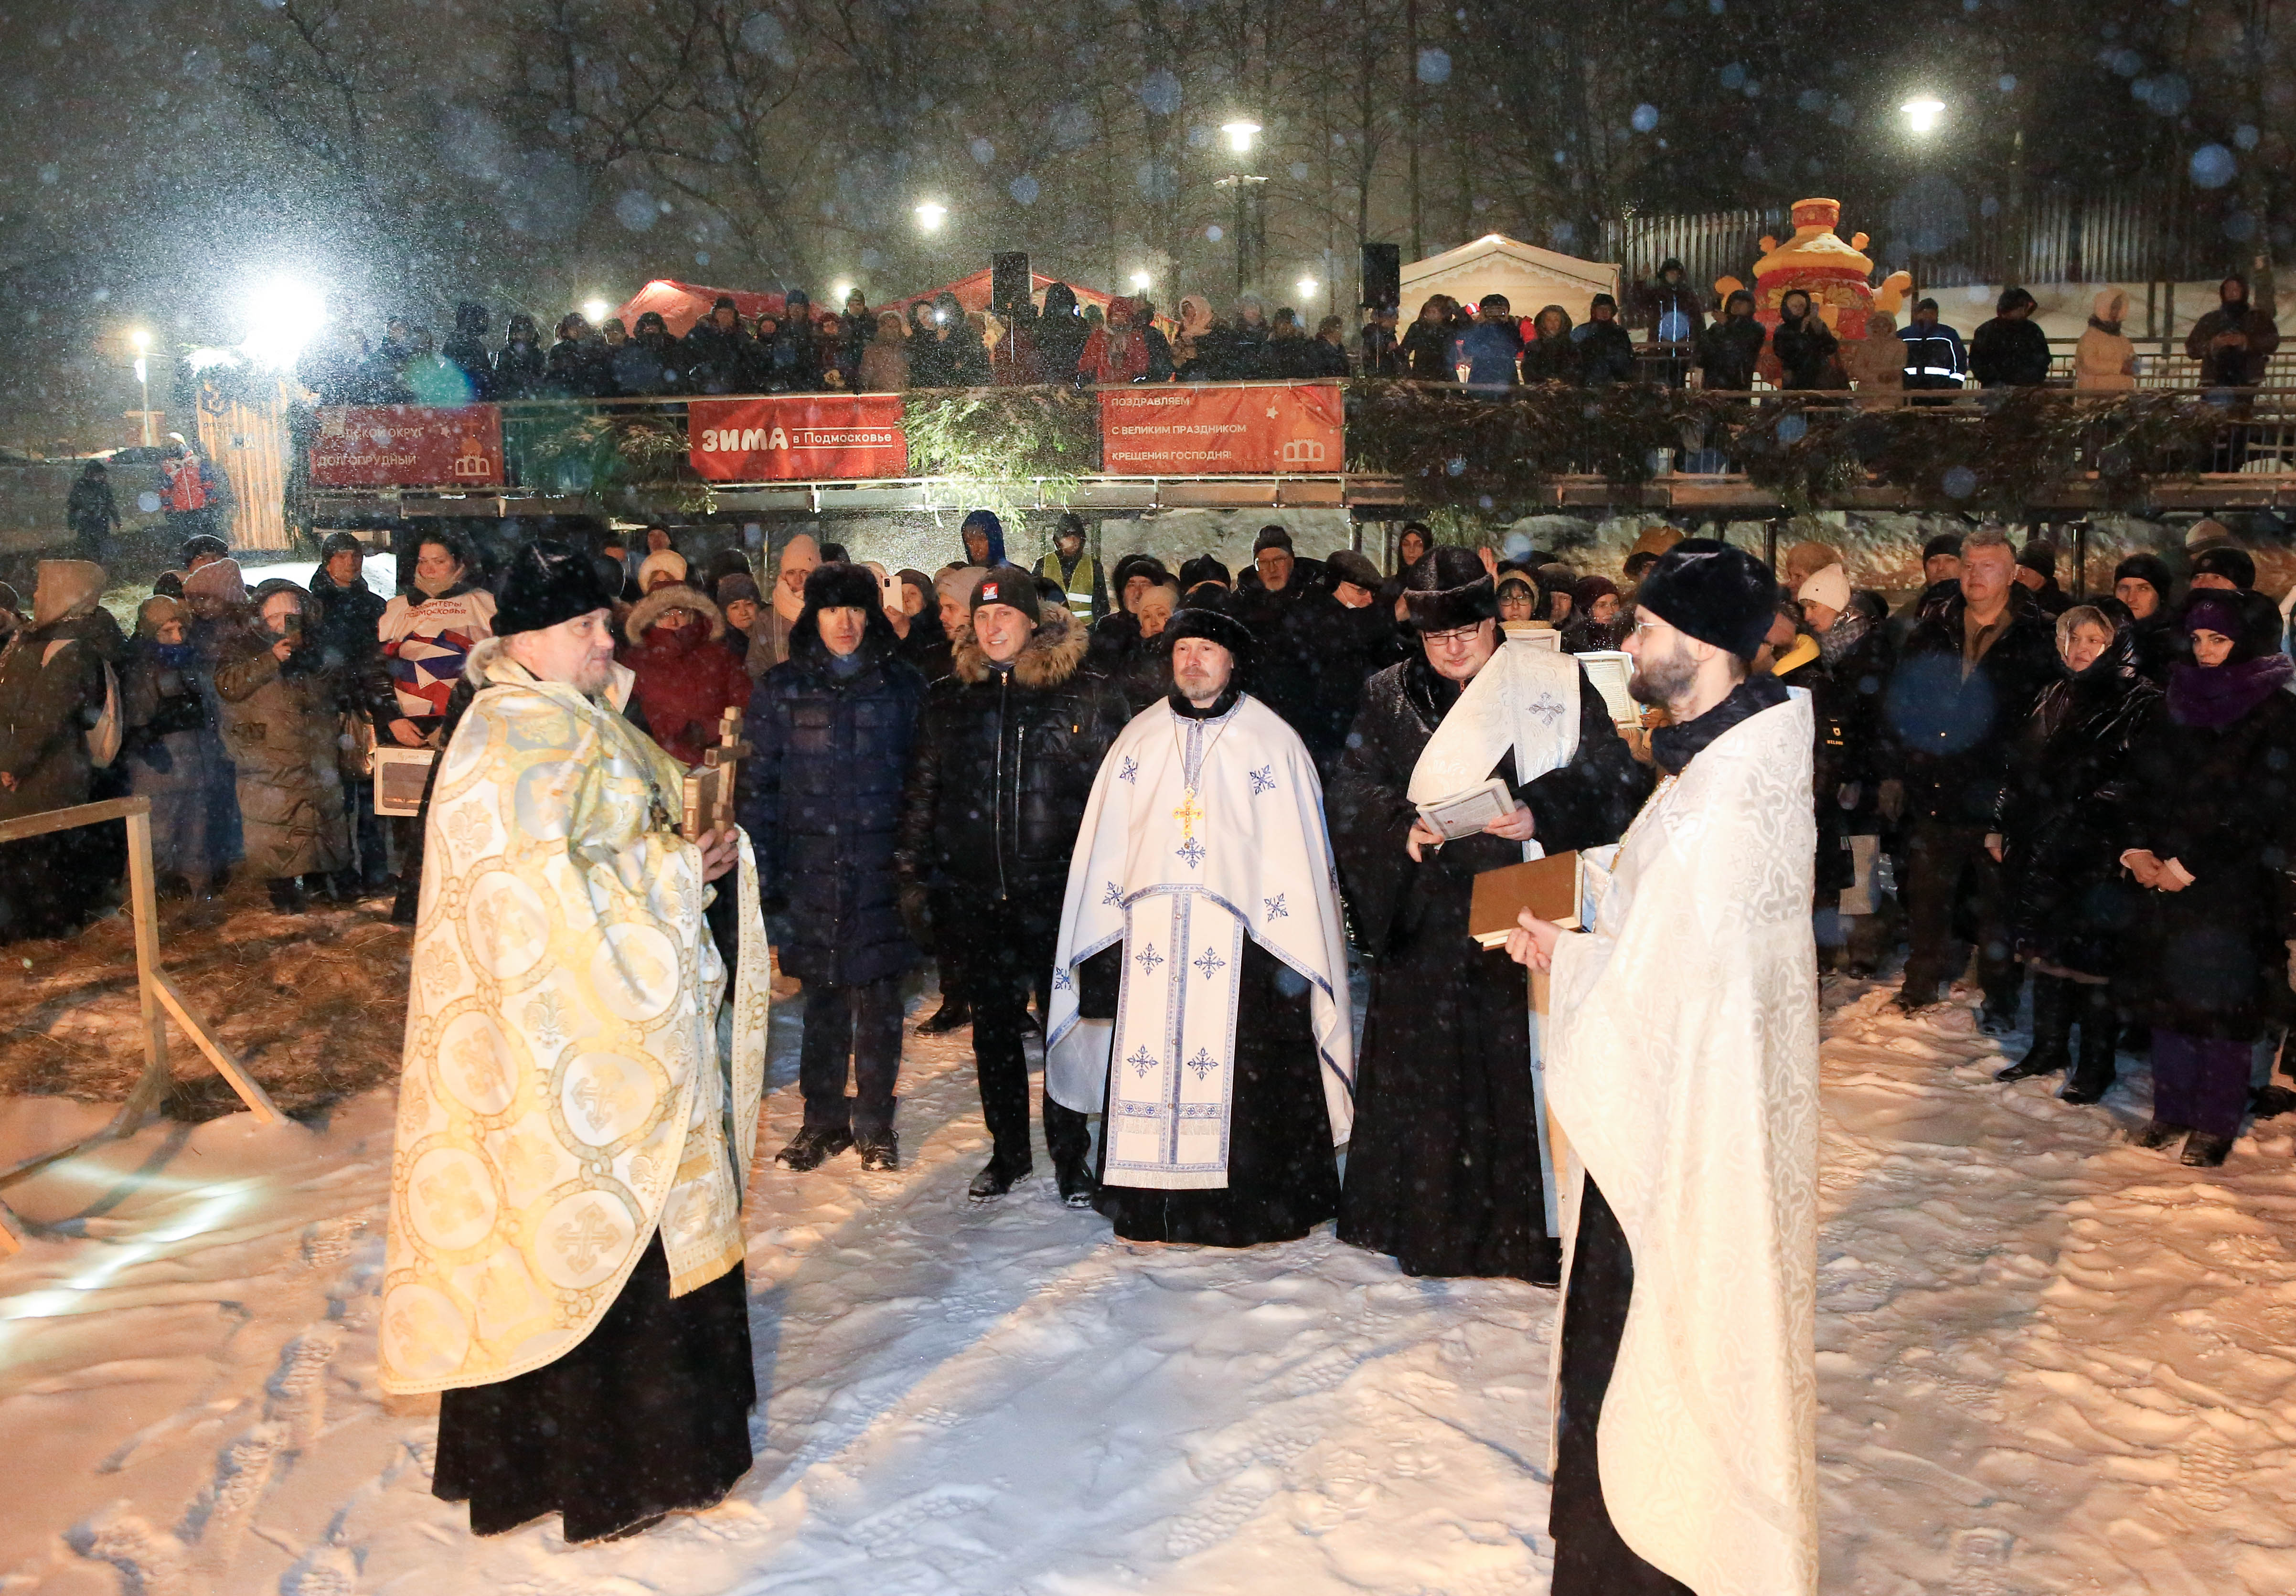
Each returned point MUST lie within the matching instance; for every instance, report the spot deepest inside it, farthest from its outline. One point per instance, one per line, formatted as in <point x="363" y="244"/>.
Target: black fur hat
<point x="841" y="586"/>
<point x="548" y="582"/>
<point x="838" y="585"/>
<point x="1213" y="625"/>
<point x="1448" y="588"/>
<point x="1202" y="568"/>
<point x="1714" y="592"/>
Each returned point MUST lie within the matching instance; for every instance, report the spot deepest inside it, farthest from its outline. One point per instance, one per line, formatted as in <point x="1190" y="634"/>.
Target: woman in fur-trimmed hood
<point x="685" y="683"/>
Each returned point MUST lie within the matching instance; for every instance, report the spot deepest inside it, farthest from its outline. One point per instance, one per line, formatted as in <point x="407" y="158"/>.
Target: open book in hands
<point x="1464" y="813"/>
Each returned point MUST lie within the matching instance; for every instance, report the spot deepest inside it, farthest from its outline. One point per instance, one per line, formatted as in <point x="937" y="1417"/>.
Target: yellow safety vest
<point x="1078" y="586"/>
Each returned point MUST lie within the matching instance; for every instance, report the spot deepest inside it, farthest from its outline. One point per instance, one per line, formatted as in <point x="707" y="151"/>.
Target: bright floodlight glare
<point x="1239" y="136"/>
<point x="594" y="311"/>
<point x="280" y="315"/>
<point x="1924" y="114"/>
<point x="842" y="291"/>
<point x="1140" y="280"/>
<point x="930" y="214"/>
<point x="140" y="338"/>
<point x="1306" y="286"/>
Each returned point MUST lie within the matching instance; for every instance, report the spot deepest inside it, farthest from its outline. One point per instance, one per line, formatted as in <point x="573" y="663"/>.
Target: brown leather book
<point x="1548" y="888"/>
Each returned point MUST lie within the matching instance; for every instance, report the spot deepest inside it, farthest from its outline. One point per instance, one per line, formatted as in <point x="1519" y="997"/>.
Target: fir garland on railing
<point x="1005" y="445"/>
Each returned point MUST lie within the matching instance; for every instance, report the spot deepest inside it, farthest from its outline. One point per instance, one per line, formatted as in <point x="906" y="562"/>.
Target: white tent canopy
<point x="1527" y="275"/>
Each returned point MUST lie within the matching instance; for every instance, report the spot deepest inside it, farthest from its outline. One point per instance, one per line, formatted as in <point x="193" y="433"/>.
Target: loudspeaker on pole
<point x="1383" y="275"/>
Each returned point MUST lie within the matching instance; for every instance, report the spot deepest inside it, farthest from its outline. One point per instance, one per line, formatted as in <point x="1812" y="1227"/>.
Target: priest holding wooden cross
<point x="565" y="1255"/>
<point x="1681" y="1066"/>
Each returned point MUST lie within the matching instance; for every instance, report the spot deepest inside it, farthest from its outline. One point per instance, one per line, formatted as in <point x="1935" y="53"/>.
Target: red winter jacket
<point x="685" y="679"/>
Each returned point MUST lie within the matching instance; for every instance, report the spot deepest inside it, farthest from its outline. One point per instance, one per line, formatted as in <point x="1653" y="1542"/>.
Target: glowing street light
<point x="843" y="292"/>
<point x="143" y="342"/>
<point x="1140" y="282"/>
<point x="1240" y="135"/>
<point x="1922" y="114"/>
<point x="594" y="311"/>
<point x="1306" y="286"/>
<point x="281" y="316"/>
<point x="930" y="214"/>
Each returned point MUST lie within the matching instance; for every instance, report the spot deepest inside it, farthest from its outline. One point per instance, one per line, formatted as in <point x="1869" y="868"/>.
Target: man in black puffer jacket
<point x="1007" y="747"/>
<point x="821" y="798"/>
<point x="1957" y="702"/>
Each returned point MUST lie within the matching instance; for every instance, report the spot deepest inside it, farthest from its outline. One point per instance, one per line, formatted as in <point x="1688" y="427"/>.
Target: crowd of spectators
<point x="2094" y="796"/>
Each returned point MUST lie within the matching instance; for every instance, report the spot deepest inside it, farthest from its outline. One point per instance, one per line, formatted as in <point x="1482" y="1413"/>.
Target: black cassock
<point x="648" y="1414"/>
<point x="1443" y="1169"/>
<point x="1282" y="1175"/>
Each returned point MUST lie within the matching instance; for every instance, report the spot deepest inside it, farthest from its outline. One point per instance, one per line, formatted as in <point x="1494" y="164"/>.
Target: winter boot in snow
<point x="995" y="1180"/>
<point x="2053" y="1030"/>
<point x="1078" y="1188"/>
<point x="813" y="1146"/>
<point x="2204" y="1151"/>
<point x="2160" y="1133"/>
<point x="880" y="1150"/>
<point x="953" y="1015"/>
<point x="2099" y="1029"/>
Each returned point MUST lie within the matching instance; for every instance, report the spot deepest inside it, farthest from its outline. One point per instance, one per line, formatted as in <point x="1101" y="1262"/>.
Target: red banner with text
<point x="1186" y="429"/>
<point x="798" y="438"/>
<point x="407" y="446"/>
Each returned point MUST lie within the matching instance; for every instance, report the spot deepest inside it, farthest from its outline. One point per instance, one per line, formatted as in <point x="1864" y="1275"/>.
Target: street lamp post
<point x="143" y="342"/>
<point x="1240" y="135"/>
<point x="1923" y="113"/>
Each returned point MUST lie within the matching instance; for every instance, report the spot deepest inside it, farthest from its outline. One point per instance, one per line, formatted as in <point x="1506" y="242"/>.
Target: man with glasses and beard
<point x="1444" y="1169"/>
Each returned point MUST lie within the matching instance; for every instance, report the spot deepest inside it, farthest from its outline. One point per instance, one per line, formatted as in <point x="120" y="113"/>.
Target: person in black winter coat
<point x="466" y="349"/>
<point x="2145" y="589"/>
<point x="2064" y="812"/>
<point x="520" y="364"/>
<point x="789" y="361"/>
<point x="1729" y="350"/>
<point x="2011" y="350"/>
<point x="649" y="363"/>
<point x="717" y="356"/>
<point x="1058" y="336"/>
<point x="576" y="367"/>
<point x="2213" y="790"/>
<point x="1548" y="353"/>
<point x="1805" y="346"/>
<point x="1963" y="688"/>
<point x="1424" y="351"/>
<point x="1606" y="354"/>
<point x="1007" y="747"/>
<point x="2234" y="343"/>
<point x="2037" y="573"/>
<point x="821" y="798"/>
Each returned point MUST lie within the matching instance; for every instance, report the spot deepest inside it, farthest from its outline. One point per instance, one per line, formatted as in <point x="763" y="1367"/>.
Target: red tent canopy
<point x="683" y="304"/>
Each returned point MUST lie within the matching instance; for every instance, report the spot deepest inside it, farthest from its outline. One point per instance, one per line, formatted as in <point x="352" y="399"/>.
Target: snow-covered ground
<point x="2050" y="1362"/>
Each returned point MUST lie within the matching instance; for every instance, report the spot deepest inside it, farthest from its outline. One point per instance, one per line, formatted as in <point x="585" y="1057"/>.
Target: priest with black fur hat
<point x="1200" y="988"/>
<point x="1444" y="1172"/>
<point x="565" y="1253"/>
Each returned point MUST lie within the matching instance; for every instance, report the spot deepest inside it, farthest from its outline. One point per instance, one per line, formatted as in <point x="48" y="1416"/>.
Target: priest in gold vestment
<point x="579" y="1098"/>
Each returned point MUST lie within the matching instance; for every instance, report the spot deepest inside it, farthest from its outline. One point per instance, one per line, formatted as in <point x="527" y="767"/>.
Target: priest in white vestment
<point x="575" y="1128"/>
<point x="1682" y="1071"/>
<point x="1200" y="996"/>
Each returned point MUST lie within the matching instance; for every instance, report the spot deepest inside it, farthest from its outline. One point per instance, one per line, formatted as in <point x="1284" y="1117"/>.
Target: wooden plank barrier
<point x="157" y="996"/>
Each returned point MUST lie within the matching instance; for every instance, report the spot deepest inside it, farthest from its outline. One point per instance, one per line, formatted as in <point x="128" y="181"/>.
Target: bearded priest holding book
<point x="1682" y="1070"/>
<point x="1200" y="988"/>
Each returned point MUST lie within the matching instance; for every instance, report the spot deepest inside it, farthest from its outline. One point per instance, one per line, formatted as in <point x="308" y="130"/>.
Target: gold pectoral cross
<point x="1188" y="814"/>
